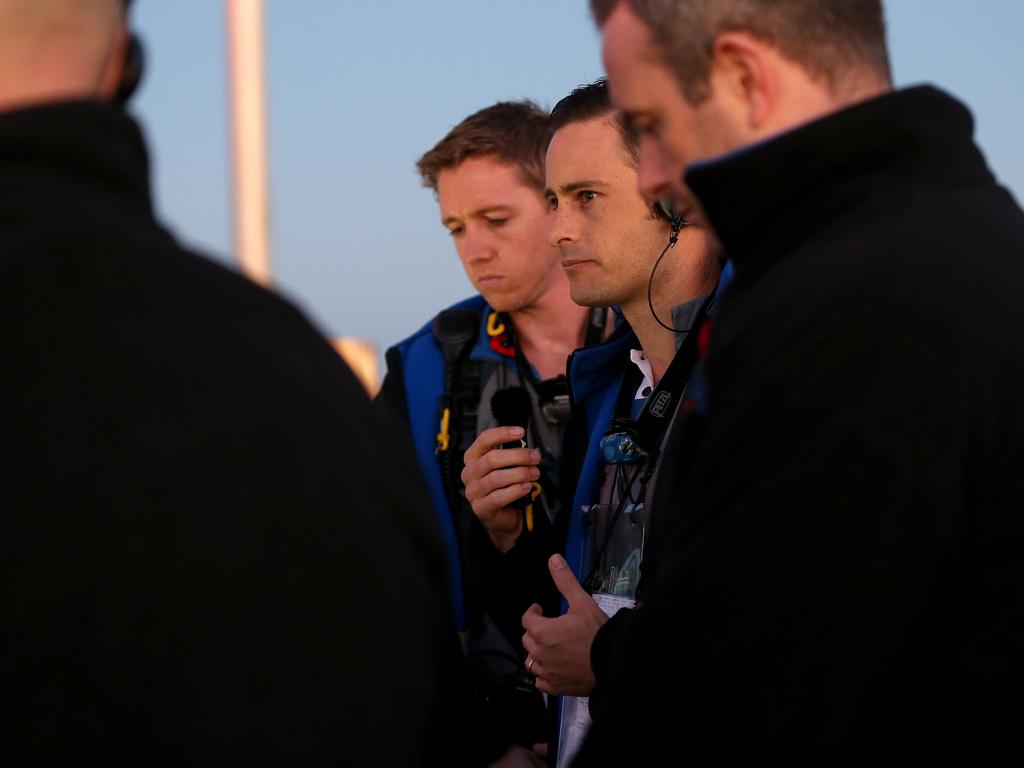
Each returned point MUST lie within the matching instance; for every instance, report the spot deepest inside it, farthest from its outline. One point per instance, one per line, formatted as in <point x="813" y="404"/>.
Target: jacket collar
<point x="761" y="197"/>
<point x="482" y="349"/>
<point x="592" y="369"/>
<point x="68" y="142"/>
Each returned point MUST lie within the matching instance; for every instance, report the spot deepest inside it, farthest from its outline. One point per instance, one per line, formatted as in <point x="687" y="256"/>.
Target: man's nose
<point x="477" y="245"/>
<point x="562" y="228"/>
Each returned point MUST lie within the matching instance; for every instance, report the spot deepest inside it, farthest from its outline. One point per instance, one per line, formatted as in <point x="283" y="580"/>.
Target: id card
<point x="576" y="709"/>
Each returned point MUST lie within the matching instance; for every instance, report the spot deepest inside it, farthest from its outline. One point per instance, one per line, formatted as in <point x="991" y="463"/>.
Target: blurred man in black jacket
<point x="212" y="546"/>
<point x="845" y="573"/>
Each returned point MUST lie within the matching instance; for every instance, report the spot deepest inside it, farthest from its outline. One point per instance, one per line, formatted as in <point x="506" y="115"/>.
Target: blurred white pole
<point x="361" y="357"/>
<point x="249" y="137"/>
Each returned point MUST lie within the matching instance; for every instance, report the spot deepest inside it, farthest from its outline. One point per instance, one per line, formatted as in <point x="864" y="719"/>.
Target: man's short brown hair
<point x="591" y="101"/>
<point x="831" y="39"/>
<point x="515" y="132"/>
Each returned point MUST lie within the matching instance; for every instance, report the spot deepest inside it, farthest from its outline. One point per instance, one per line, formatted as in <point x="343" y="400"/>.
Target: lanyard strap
<point x="657" y="412"/>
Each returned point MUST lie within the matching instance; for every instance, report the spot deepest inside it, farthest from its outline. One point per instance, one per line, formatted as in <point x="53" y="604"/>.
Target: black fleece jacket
<point x="838" y="569"/>
<point x="204" y="555"/>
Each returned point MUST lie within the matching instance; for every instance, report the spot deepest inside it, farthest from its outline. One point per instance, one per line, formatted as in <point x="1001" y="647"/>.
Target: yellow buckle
<point x="494" y="326"/>
<point x="443" y="437"/>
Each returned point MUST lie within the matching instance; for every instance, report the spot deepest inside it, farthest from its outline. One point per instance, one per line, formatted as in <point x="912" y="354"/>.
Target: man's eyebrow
<point x="576" y="186"/>
<point x="448" y="220"/>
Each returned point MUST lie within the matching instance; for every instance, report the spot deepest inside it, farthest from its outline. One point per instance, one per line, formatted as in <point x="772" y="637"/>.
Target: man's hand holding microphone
<point x="500" y="470"/>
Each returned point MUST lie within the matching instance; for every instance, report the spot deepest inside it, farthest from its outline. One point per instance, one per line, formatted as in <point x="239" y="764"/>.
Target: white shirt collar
<point x="641" y="362"/>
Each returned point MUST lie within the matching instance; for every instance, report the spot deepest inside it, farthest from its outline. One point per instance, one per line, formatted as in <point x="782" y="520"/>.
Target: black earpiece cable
<point x="672" y="240"/>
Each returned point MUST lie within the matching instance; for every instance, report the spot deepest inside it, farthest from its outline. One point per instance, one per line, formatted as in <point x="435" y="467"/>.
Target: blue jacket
<point x="595" y="376"/>
<point x="422" y="371"/>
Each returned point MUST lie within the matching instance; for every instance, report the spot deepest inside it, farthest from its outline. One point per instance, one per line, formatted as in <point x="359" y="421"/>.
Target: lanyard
<point x="640" y="439"/>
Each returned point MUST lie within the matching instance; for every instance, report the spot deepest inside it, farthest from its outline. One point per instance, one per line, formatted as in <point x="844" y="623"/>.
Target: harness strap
<point x="455" y="330"/>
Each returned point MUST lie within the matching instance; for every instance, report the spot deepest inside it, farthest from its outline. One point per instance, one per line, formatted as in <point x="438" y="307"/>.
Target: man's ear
<point x="113" y="70"/>
<point x="741" y="72"/>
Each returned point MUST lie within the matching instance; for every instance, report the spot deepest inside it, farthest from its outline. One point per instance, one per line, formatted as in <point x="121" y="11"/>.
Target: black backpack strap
<point x="455" y="331"/>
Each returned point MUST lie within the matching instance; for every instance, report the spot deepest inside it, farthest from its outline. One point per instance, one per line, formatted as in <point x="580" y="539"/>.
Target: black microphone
<point x="512" y="407"/>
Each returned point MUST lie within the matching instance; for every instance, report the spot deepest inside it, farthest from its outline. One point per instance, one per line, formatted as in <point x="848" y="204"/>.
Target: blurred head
<point x="488" y="173"/>
<point x="698" y="78"/>
<point x="54" y="50"/>
<point x="609" y="236"/>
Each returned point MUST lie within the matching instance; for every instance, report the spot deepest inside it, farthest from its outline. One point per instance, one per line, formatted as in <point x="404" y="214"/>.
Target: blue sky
<point x="357" y="91"/>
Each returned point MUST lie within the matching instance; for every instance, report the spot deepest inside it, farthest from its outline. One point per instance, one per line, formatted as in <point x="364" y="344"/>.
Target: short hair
<point x="830" y="39"/>
<point x="591" y="101"/>
<point x="515" y="132"/>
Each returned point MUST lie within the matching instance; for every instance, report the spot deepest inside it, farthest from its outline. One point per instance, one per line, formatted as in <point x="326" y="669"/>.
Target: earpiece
<point x="131" y="73"/>
<point x="664" y="208"/>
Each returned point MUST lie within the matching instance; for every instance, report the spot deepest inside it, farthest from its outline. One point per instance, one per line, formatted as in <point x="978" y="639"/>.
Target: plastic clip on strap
<point x="444" y="437"/>
<point x="494" y="325"/>
<point x="528" y="510"/>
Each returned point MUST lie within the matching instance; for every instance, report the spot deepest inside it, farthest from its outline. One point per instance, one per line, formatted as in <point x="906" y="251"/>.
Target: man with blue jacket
<point x="617" y="249"/>
<point x="488" y="174"/>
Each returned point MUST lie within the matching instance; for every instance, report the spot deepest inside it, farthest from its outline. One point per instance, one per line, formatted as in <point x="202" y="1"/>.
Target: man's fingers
<point x="530" y="644"/>
<point x="490" y="439"/>
<point x="533" y="615"/>
<point x="500" y="458"/>
<point x="478" y="468"/>
<point x="534" y="667"/>
<point x="498" y="501"/>
<point x="566" y="581"/>
<point x="500" y="478"/>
